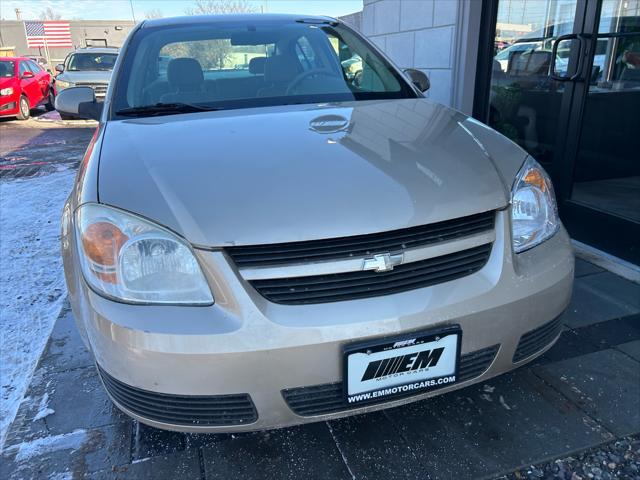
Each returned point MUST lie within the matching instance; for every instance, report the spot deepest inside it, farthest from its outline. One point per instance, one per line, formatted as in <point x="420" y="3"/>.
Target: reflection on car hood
<point x="89" y="76"/>
<point x="290" y="173"/>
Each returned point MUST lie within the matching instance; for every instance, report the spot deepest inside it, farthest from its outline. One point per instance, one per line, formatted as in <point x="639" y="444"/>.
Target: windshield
<point x="91" y="61"/>
<point x="6" y="69"/>
<point x="239" y="65"/>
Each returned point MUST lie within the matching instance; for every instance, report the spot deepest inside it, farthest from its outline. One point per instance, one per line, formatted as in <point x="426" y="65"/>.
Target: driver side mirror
<point x="60" y="68"/>
<point x="27" y="74"/>
<point x="79" y="102"/>
<point x="419" y="79"/>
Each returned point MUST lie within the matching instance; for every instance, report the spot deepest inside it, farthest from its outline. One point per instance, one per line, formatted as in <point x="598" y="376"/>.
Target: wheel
<point x="67" y="117"/>
<point x="24" y="112"/>
<point x="51" y="104"/>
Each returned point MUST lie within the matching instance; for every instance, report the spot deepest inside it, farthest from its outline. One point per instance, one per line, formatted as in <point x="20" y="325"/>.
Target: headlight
<point x="63" y="84"/>
<point x="133" y="260"/>
<point x="6" y="91"/>
<point x="534" y="213"/>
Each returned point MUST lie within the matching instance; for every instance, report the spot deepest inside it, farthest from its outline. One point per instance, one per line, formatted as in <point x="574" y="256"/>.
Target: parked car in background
<point x="280" y="244"/>
<point x="40" y="61"/>
<point x="87" y="67"/>
<point x="23" y="85"/>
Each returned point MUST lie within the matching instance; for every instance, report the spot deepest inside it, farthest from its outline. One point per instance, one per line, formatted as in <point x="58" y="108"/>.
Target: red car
<point x="23" y="85"/>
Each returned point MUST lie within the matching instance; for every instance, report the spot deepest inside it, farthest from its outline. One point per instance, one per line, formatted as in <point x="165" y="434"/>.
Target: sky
<point x="121" y="9"/>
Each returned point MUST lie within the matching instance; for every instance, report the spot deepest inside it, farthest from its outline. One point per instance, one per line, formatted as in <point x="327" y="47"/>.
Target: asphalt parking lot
<point x="577" y="405"/>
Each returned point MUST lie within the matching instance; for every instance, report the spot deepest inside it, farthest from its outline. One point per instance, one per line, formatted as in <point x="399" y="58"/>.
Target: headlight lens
<point x="534" y="213"/>
<point x="63" y="84"/>
<point x="6" y="91"/>
<point x="131" y="259"/>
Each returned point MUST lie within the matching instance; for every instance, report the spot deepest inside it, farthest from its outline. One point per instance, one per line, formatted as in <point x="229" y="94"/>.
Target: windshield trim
<point x="95" y="54"/>
<point x="407" y="89"/>
<point x="265" y="102"/>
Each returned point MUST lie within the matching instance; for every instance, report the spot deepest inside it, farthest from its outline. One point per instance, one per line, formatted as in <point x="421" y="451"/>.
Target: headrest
<point x="279" y="69"/>
<point x="256" y="65"/>
<point x="185" y="73"/>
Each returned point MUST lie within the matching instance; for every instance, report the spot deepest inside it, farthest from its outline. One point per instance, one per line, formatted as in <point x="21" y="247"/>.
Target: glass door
<point x="564" y="83"/>
<point x="525" y="101"/>
<point x="600" y="195"/>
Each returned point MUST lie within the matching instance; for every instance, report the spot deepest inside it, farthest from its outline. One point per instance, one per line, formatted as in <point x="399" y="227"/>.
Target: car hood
<point x="89" y="76"/>
<point x="282" y="174"/>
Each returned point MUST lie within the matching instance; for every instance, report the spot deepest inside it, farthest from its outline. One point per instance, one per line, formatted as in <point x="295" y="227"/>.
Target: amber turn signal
<point x="102" y="241"/>
<point x="534" y="177"/>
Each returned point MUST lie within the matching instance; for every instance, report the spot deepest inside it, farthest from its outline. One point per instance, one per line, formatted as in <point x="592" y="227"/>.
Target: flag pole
<point x="46" y="52"/>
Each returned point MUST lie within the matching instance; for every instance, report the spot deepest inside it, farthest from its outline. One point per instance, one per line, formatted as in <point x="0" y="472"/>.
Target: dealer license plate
<point x="375" y="371"/>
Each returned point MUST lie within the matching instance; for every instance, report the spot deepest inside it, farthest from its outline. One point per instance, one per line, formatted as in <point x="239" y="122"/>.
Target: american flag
<point x="56" y="34"/>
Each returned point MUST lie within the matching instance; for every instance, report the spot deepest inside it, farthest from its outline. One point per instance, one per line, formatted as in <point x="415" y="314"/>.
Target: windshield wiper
<point x="165" y="109"/>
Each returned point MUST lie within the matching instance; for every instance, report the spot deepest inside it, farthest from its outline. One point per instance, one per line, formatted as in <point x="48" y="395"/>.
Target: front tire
<point x="51" y="104"/>
<point x="24" y="112"/>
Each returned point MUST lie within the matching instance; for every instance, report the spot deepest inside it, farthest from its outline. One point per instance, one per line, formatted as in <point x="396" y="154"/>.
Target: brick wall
<point x="422" y="34"/>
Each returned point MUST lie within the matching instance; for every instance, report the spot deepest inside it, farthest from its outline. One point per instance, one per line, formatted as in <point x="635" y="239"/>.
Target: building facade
<point x="83" y="33"/>
<point x="559" y="77"/>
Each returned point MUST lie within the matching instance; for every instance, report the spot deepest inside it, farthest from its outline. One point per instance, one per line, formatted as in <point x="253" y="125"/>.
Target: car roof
<point x="95" y="50"/>
<point x="255" y="18"/>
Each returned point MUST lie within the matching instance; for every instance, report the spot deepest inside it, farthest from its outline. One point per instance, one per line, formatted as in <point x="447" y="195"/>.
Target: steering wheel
<point x="303" y="76"/>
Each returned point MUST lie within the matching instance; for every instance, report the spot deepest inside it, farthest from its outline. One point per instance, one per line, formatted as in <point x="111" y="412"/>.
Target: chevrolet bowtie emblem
<point x="383" y="262"/>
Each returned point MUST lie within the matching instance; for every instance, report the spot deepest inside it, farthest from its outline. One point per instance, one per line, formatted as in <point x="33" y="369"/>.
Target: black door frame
<point x="600" y="229"/>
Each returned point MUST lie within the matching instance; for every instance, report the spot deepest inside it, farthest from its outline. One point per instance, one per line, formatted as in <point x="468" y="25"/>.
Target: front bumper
<point x="245" y="345"/>
<point x="9" y="105"/>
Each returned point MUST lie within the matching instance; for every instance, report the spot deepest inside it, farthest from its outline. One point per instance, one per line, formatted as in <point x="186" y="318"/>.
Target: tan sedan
<point x="250" y="248"/>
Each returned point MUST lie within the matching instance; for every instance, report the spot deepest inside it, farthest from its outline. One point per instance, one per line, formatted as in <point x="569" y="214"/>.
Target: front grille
<point x="192" y="410"/>
<point x="330" y="398"/>
<point x="100" y="89"/>
<point x="360" y="245"/>
<point x="363" y="284"/>
<point x="535" y="340"/>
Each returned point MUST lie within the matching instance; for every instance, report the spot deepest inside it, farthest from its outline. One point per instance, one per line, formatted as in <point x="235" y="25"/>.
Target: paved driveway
<point x="584" y="392"/>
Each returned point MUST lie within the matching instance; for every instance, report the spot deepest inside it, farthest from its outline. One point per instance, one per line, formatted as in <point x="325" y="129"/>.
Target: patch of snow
<point x="504" y="404"/>
<point x="32" y="288"/>
<point x="44" y="410"/>
<point x="66" y="441"/>
<point x="61" y="476"/>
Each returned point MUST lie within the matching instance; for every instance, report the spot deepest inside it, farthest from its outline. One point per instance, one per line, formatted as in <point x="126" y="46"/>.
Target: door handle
<point x="554" y="53"/>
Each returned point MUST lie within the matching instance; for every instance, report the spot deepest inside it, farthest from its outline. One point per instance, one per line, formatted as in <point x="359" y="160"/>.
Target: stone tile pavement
<point x="582" y="393"/>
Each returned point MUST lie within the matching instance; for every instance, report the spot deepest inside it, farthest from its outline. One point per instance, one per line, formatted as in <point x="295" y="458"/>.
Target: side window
<point x="35" y="68"/>
<point x="24" y="68"/>
<point x="353" y="67"/>
<point x="305" y="54"/>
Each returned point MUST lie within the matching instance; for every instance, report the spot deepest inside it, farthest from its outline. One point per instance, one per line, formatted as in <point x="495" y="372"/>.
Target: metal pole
<point x="133" y="15"/>
<point x="46" y="52"/>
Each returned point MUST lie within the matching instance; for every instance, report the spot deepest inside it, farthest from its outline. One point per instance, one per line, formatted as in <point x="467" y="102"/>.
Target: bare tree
<point x="49" y="14"/>
<point x="153" y="13"/>
<point x="214" y="53"/>
<point x="219" y="7"/>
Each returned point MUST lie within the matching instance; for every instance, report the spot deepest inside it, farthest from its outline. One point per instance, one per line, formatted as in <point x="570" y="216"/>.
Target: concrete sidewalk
<point x="583" y="393"/>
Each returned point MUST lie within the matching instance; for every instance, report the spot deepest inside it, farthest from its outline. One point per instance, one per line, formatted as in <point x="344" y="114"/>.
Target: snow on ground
<point x="32" y="288"/>
<point x="39" y="446"/>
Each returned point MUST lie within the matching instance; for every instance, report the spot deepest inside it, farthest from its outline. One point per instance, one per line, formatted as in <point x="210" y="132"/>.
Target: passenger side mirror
<point x="79" y="102"/>
<point x="60" y="68"/>
<point x="27" y="74"/>
<point x="419" y="79"/>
